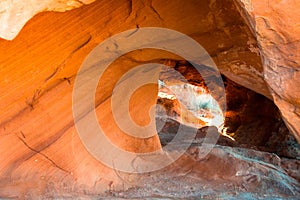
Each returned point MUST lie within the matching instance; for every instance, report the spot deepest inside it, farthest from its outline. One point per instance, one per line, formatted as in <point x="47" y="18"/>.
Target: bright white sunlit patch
<point x="198" y="107"/>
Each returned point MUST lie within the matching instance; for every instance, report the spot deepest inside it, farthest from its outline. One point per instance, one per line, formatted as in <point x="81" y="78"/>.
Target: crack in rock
<point x="42" y="154"/>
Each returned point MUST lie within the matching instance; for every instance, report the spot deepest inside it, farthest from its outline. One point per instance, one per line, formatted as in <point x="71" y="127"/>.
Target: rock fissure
<point x="255" y="45"/>
<point x="42" y="154"/>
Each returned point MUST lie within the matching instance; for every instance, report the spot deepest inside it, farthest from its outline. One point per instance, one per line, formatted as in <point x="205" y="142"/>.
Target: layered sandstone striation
<point x="15" y="14"/>
<point x="41" y="152"/>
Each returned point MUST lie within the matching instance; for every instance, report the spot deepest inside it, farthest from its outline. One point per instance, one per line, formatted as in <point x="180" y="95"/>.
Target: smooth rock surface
<point x="41" y="152"/>
<point x="15" y="14"/>
<point x="278" y="41"/>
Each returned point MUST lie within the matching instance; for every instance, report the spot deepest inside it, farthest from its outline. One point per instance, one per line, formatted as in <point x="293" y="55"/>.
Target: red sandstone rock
<point x="276" y="27"/>
<point x="41" y="152"/>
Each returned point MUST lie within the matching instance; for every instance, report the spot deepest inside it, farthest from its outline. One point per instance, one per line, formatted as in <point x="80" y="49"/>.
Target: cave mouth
<point x="250" y="121"/>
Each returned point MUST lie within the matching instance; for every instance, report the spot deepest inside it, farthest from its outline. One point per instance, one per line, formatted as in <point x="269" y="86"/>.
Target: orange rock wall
<point x="39" y="145"/>
<point x="277" y="29"/>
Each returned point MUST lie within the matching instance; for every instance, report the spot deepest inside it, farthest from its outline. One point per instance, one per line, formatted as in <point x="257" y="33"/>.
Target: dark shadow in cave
<point x="251" y="119"/>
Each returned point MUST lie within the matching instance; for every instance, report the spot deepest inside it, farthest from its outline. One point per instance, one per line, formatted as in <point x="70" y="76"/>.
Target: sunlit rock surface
<point x="41" y="152"/>
<point x="198" y="109"/>
<point x="194" y="105"/>
<point x="14" y="14"/>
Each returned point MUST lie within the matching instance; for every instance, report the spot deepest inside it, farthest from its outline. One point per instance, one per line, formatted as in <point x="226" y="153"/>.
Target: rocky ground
<point x="226" y="173"/>
<point x="255" y="43"/>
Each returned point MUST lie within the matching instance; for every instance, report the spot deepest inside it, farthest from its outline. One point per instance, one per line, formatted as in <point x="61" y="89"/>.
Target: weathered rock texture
<point x="14" y="14"/>
<point x="277" y="37"/>
<point x="276" y="27"/>
<point x="39" y="146"/>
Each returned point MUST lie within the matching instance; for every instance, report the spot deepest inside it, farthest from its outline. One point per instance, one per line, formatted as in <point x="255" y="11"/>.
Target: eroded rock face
<point x="273" y="24"/>
<point x="41" y="152"/>
<point x="14" y="14"/>
<point x="276" y="26"/>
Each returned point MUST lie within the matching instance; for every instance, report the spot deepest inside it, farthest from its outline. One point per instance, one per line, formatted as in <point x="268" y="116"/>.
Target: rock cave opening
<point x="250" y="120"/>
<point x="254" y="44"/>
